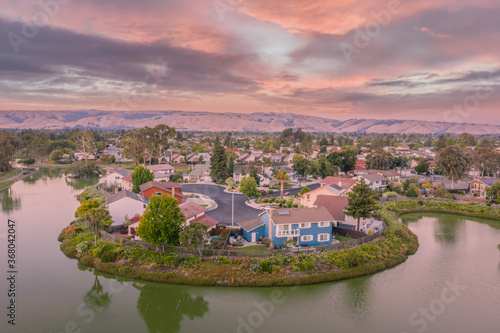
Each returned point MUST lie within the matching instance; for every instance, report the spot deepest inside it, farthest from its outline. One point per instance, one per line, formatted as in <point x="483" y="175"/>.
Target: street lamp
<point x="232" y="211"/>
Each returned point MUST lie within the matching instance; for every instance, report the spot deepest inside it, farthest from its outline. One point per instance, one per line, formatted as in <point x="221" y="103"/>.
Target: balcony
<point x="287" y="233"/>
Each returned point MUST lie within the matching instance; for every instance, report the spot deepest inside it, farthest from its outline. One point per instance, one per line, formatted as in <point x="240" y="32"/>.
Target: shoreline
<point x="397" y="244"/>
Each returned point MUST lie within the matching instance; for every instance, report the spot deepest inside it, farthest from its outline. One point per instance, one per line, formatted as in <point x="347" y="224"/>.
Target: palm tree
<point x="282" y="177"/>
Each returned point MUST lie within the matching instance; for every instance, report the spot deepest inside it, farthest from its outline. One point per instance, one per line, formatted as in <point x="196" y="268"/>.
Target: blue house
<point x="307" y="226"/>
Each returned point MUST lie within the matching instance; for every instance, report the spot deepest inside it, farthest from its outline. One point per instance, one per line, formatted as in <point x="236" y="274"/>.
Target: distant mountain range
<point x="212" y="121"/>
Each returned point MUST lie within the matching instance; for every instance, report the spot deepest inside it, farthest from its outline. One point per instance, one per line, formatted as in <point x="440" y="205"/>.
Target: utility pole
<point x="232" y="213"/>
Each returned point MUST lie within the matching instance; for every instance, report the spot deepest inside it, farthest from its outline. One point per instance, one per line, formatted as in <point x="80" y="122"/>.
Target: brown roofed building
<point x="167" y="188"/>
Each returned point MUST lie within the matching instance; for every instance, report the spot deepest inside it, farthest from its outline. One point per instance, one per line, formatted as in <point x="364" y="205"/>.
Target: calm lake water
<point x="452" y="284"/>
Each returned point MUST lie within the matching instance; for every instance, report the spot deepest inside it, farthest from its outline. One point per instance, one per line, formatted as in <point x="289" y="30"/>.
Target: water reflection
<point x="97" y="298"/>
<point x="357" y="296"/>
<point x="447" y="229"/>
<point x="81" y="183"/>
<point x="44" y="174"/>
<point x="10" y="201"/>
<point x="163" y="307"/>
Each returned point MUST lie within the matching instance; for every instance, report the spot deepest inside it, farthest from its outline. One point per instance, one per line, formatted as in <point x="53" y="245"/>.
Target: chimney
<point x="340" y="183"/>
<point x="173" y="191"/>
<point x="116" y="189"/>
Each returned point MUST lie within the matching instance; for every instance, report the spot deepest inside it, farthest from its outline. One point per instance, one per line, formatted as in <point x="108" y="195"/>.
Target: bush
<point x="460" y="192"/>
<point x="305" y="190"/>
<point x="222" y="261"/>
<point x="266" y="241"/>
<point x="264" y="200"/>
<point x="266" y="266"/>
<point x="97" y="252"/>
<point x="306" y="266"/>
<point x="295" y="205"/>
<point x="108" y="256"/>
<point x="87" y="260"/>
<point x="68" y="249"/>
<point x="270" y="192"/>
<point x="281" y="201"/>
<point x="289" y="203"/>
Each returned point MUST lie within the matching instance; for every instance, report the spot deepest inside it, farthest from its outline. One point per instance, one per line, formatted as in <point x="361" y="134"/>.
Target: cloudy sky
<point x="430" y="59"/>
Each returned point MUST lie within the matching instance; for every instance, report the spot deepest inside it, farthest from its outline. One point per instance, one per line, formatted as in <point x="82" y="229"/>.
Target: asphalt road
<point x="222" y="213"/>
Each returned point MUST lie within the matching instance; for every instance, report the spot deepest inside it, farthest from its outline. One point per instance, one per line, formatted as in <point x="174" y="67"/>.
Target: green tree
<point x="141" y="175"/>
<point x="28" y="162"/>
<point x="161" y="222"/>
<point x="453" y="163"/>
<point x="300" y="166"/>
<point x="465" y="140"/>
<point x="442" y="192"/>
<point x="441" y="142"/>
<point x="282" y="177"/>
<point x="422" y="167"/>
<point x="218" y="163"/>
<point x="248" y="186"/>
<point x="85" y="141"/>
<point x="134" y="146"/>
<point x="304" y="190"/>
<point x="87" y="205"/>
<point x="230" y="167"/>
<point x="493" y="192"/>
<point x="193" y="237"/>
<point x="380" y="161"/>
<point x="231" y="183"/>
<point x="361" y="202"/>
<point x="97" y="219"/>
<point x="322" y="168"/>
<point x="55" y="155"/>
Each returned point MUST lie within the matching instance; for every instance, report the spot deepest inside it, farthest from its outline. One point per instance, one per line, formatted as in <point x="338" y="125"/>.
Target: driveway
<point x="222" y="213"/>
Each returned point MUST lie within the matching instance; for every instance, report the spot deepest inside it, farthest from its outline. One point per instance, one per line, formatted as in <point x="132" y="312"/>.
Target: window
<point x="482" y="186"/>
<point x="157" y="193"/>
<point x="475" y="185"/>
<point x="323" y="237"/>
<point x="323" y="224"/>
<point x="304" y="225"/>
<point x="306" y="238"/>
<point x="283" y="227"/>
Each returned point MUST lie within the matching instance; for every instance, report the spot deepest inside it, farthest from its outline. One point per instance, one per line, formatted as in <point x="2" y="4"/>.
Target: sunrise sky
<point x="432" y="59"/>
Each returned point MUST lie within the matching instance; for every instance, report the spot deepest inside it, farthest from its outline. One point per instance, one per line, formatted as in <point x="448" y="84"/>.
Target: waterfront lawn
<point x="9" y="174"/>
<point x="6" y="184"/>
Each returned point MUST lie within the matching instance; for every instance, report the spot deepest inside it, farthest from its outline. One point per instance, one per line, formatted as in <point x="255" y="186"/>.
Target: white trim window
<point x="323" y="224"/>
<point x="304" y="225"/>
<point x="306" y="238"/>
<point x="323" y="237"/>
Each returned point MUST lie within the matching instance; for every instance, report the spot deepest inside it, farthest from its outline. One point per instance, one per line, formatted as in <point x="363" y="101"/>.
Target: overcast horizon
<point x="424" y="60"/>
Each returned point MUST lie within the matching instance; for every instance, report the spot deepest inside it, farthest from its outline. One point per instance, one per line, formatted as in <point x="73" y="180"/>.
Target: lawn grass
<point x="127" y="165"/>
<point x="182" y="168"/>
<point x="251" y="248"/>
<point x="342" y="238"/>
<point x="9" y="174"/>
<point x="6" y="184"/>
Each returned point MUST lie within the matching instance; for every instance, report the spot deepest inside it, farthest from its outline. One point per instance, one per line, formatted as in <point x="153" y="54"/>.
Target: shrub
<point x="305" y="190"/>
<point x="289" y="203"/>
<point x="108" y="256"/>
<point x="460" y="192"/>
<point x="97" y="252"/>
<point x="68" y="249"/>
<point x="87" y="260"/>
<point x="123" y="270"/>
<point x="266" y="241"/>
<point x="306" y="266"/>
<point x="295" y="205"/>
<point x="355" y="257"/>
<point x="83" y="247"/>
<point x="266" y="266"/>
<point x="400" y="232"/>
<point x="265" y="200"/>
<point x="222" y="261"/>
<point x="270" y="192"/>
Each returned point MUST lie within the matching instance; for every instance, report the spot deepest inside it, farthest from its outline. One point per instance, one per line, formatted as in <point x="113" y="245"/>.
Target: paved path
<point x="20" y="174"/>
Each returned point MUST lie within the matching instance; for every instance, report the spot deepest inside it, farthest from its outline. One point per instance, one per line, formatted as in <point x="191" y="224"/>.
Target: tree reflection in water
<point x="163" y="307"/>
<point x="10" y="201"/>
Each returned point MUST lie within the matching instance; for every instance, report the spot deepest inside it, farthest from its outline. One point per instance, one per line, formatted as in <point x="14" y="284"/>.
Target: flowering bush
<point x="83" y="247"/>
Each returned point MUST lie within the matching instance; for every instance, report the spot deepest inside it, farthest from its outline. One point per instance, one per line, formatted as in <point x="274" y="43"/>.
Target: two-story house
<point x="114" y="178"/>
<point x="162" y="171"/>
<point x="333" y="186"/>
<point x="307" y="226"/>
<point x="375" y="181"/>
<point x="125" y="203"/>
<point x="478" y="186"/>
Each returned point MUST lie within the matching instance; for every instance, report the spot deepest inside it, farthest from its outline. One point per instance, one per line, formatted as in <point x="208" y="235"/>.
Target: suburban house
<point x="127" y="182"/>
<point x="132" y="226"/>
<point x="161" y="171"/>
<point x="479" y="185"/>
<point x="167" y="188"/>
<point x="114" y="178"/>
<point x="332" y="186"/>
<point x="375" y="181"/>
<point x="125" y="203"/>
<point x="307" y="226"/>
<point x="196" y="213"/>
<point x="268" y="172"/>
<point x="80" y="155"/>
<point x="240" y="172"/>
<point x="200" y="173"/>
<point x="391" y="175"/>
<point x="336" y="206"/>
